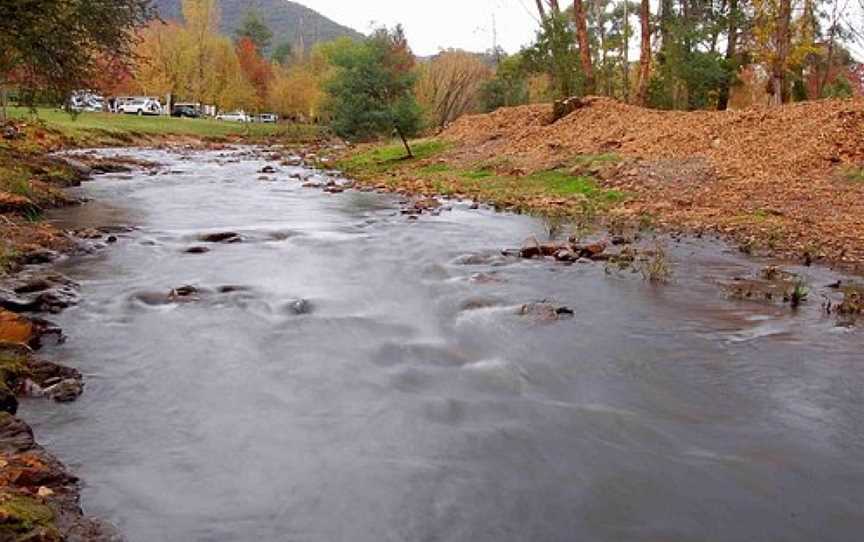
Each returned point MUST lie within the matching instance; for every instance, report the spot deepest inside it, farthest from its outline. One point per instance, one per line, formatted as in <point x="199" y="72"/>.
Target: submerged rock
<point x="544" y="311"/>
<point x="65" y="391"/>
<point x="197" y="250"/>
<point x="299" y="307"/>
<point x="39" y="256"/>
<point x="221" y="237"/>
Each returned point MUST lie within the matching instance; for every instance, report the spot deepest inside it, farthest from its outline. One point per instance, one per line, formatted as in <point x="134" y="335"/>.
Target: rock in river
<point x="221" y="237"/>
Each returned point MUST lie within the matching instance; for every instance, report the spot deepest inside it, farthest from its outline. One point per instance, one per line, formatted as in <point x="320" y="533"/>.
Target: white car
<point x="234" y="116"/>
<point x="267" y="118"/>
<point x="140" y="106"/>
<point x="84" y="100"/>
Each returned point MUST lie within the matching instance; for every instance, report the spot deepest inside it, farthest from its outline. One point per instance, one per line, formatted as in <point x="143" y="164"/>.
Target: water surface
<point x="392" y="408"/>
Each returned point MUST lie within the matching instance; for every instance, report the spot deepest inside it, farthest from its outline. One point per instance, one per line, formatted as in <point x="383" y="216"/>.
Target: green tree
<point x="255" y="29"/>
<point x="49" y="48"/>
<point x="555" y="54"/>
<point x="283" y="54"/>
<point x="371" y="93"/>
<point x="509" y="86"/>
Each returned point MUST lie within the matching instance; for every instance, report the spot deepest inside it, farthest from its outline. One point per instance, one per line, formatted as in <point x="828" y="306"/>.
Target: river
<point x="348" y="374"/>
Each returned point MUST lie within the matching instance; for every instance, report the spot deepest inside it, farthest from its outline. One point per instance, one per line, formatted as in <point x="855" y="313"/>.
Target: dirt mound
<point x="791" y="140"/>
<point x="793" y="173"/>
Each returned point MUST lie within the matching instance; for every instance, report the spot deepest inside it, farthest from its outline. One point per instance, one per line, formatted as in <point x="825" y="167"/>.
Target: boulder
<point x="65" y="391"/>
<point x="197" y="250"/>
<point x="546" y="312"/>
<point x="533" y="249"/>
<point x="15" y="435"/>
<point x="39" y="256"/>
<point x="221" y="237"/>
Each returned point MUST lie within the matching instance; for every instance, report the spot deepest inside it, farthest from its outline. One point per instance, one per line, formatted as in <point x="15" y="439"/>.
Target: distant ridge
<point x="289" y="21"/>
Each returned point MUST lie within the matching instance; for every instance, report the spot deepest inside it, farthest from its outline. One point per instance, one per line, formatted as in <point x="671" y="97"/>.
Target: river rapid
<point x="346" y="373"/>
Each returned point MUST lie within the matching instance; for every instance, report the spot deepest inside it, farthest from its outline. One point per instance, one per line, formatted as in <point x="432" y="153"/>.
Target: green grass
<point x="855" y="174"/>
<point x="121" y="127"/>
<point x="555" y="191"/>
<point x="476" y="174"/>
<point x="563" y="184"/>
<point x="15" y="181"/>
<point x="553" y="183"/>
<point x="383" y="158"/>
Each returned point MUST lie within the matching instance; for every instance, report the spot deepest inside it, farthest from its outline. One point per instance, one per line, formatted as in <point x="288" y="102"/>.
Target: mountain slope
<point x="288" y="20"/>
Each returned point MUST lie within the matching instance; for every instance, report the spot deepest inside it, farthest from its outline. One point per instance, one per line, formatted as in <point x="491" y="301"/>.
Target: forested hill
<point x="286" y="19"/>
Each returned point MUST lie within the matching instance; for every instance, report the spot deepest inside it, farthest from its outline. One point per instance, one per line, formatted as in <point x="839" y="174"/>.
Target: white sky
<point x="432" y="25"/>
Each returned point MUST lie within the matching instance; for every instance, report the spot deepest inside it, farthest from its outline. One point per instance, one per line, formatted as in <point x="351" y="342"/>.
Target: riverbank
<point x="784" y="181"/>
<point x="349" y="352"/>
<point x="39" y="497"/>
<point x="33" y="179"/>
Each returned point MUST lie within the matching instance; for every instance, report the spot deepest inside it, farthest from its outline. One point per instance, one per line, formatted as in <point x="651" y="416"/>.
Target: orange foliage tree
<point x="257" y="70"/>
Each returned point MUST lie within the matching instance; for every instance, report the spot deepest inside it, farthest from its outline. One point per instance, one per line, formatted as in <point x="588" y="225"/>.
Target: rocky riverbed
<point x="271" y="351"/>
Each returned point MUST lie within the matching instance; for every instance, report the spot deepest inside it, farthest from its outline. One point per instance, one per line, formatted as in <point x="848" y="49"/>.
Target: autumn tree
<point x="256" y="69"/>
<point x="373" y="90"/>
<point x="254" y="29"/>
<point x="449" y="85"/>
<point x="170" y="62"/>
<point x="50" y="48"/>
<point x="296" y="93"/>
<point x="202" y="24"/>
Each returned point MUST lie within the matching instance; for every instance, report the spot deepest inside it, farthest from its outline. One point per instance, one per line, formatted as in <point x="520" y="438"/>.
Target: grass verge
<point x="561" y="191"/>
<point x="99" y="128"/>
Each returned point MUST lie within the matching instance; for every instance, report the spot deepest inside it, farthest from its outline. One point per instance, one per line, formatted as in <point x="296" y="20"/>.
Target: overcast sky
<point x="432" y="25"/>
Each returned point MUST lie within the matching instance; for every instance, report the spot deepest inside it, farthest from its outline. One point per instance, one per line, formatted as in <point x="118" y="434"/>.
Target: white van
<point x="140" y="106"/>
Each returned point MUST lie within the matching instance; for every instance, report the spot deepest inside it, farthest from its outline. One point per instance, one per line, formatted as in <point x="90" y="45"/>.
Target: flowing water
<point x="360" y="381"/>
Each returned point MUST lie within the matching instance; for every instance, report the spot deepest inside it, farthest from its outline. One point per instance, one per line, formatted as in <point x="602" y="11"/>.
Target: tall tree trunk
<point x="782" y="41"/>
<point x="553" y="5"/>
<point x="625" y="52"/>
<point x="541" y="9"/>
<point x="584" y="45"/>
<point x="829" y="59"/>
<point x="645" y="53"/>
<point x="667" y="16"/>
<point x="731" y="52"/>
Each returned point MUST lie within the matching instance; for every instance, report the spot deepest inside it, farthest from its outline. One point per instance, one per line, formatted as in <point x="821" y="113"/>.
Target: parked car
<point x="267" y="118"/>
<point x="234" y="116"/>
<point x="84" y="100"/>
<point x="185" y="111"/>
<point x="140" y="106"/>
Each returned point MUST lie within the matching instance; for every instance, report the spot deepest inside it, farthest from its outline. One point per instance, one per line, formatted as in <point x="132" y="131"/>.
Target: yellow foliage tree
<point x="449" y="86"/>
<point x="296" y="93"/>
<point x="781" y="43"/>
<point x="193" y="61"/>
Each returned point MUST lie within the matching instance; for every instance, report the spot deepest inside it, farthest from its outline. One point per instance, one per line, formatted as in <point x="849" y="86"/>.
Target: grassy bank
<point x="568" y="188"/>
<point x="98" y="128"/>
<point x="31" y="180"/>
